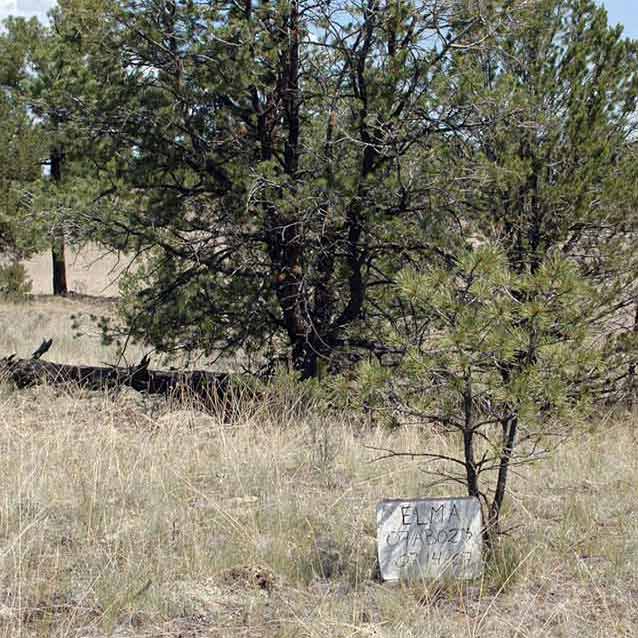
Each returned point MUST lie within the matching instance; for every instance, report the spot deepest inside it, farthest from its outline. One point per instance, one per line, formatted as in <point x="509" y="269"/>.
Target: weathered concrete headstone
<point x="429" y="538"/>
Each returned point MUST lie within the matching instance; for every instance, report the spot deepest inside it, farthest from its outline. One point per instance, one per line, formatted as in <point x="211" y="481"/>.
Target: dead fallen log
<point x="206" y="387"/>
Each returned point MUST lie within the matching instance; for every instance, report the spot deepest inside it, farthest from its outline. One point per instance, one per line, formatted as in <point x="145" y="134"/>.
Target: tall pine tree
<point x="530" y="317"/>
<point x="267" y="160"/>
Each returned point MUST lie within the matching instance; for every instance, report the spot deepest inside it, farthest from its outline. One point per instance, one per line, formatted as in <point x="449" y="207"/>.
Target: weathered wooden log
<point x="208" y="387"/>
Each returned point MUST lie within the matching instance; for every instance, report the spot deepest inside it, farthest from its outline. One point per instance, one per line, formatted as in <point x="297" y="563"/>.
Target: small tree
<point x="507" y="335"/>
<point x="498" y="358"/>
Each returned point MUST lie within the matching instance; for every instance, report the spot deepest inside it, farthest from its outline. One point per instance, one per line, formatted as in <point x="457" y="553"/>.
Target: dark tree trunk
<point x="471" y="475"/>
<point x="306" y="358"/>
<point x="285" y="228"/>
<point x="632" y="386"/>
<point x="510" y="428"/>
<point x="302" y="281"/>
<point x="59" y="266"/>
<point x="58" y="244"/>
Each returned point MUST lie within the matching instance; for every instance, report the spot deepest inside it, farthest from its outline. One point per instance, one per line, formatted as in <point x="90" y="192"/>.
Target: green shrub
<point x="14" y="281"/>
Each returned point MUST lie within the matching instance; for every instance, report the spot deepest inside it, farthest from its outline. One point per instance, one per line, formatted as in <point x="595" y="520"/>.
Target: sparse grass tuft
<point x="506" y="566"/>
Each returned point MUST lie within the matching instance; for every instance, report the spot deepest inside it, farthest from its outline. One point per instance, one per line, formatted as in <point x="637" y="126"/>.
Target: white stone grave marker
<point x="429" y="538"/>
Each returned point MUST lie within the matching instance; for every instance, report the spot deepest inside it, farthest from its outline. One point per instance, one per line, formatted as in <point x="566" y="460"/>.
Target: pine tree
<point x="43" y="70"/>
<point x="528" y="320"/>
<point x="266" y="159"/>
<point x="22" y="143"/>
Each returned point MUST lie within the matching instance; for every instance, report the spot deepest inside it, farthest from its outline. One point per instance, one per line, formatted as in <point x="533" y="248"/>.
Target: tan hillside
<point x="90" y="271"/>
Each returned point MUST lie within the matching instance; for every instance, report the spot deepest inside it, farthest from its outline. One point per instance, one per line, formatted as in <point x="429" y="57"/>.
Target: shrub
<point x="14" y="281"/>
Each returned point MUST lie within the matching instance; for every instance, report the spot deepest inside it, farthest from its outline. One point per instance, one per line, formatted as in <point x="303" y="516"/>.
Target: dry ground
<point x="90" y="271"/>
<point x="92" y="277"/>
<point x="76" y="336"/>
<point x="121" y="516"/>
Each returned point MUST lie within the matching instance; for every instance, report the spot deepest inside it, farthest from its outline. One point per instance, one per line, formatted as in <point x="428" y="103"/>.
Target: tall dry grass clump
<point x="76" y="337"/>
<point x="126" y="516"/>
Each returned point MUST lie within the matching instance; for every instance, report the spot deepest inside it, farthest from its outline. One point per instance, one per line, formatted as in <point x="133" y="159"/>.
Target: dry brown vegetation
<point x="24" y="325"/>
<point x="125" y="516"/>
<point x="129" y="518"/>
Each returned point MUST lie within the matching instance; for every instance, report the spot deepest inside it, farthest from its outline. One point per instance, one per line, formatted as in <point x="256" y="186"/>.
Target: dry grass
<point x="24" y="325"/>
<point x="92" y="275"/>
<point x="92" y="278"/>
<point x="122" y="516"/>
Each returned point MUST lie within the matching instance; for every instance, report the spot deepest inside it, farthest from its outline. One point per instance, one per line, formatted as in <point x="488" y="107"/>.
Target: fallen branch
<point x="42" y="349"/>
<point x="208" y="387"/>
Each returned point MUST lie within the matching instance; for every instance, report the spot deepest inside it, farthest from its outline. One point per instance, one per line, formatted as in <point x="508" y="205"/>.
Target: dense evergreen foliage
<point x="532" y="316"/>
<point x="48" y="168"/>
<point x="267" y="161"/>
<point x="21" y="144"/>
